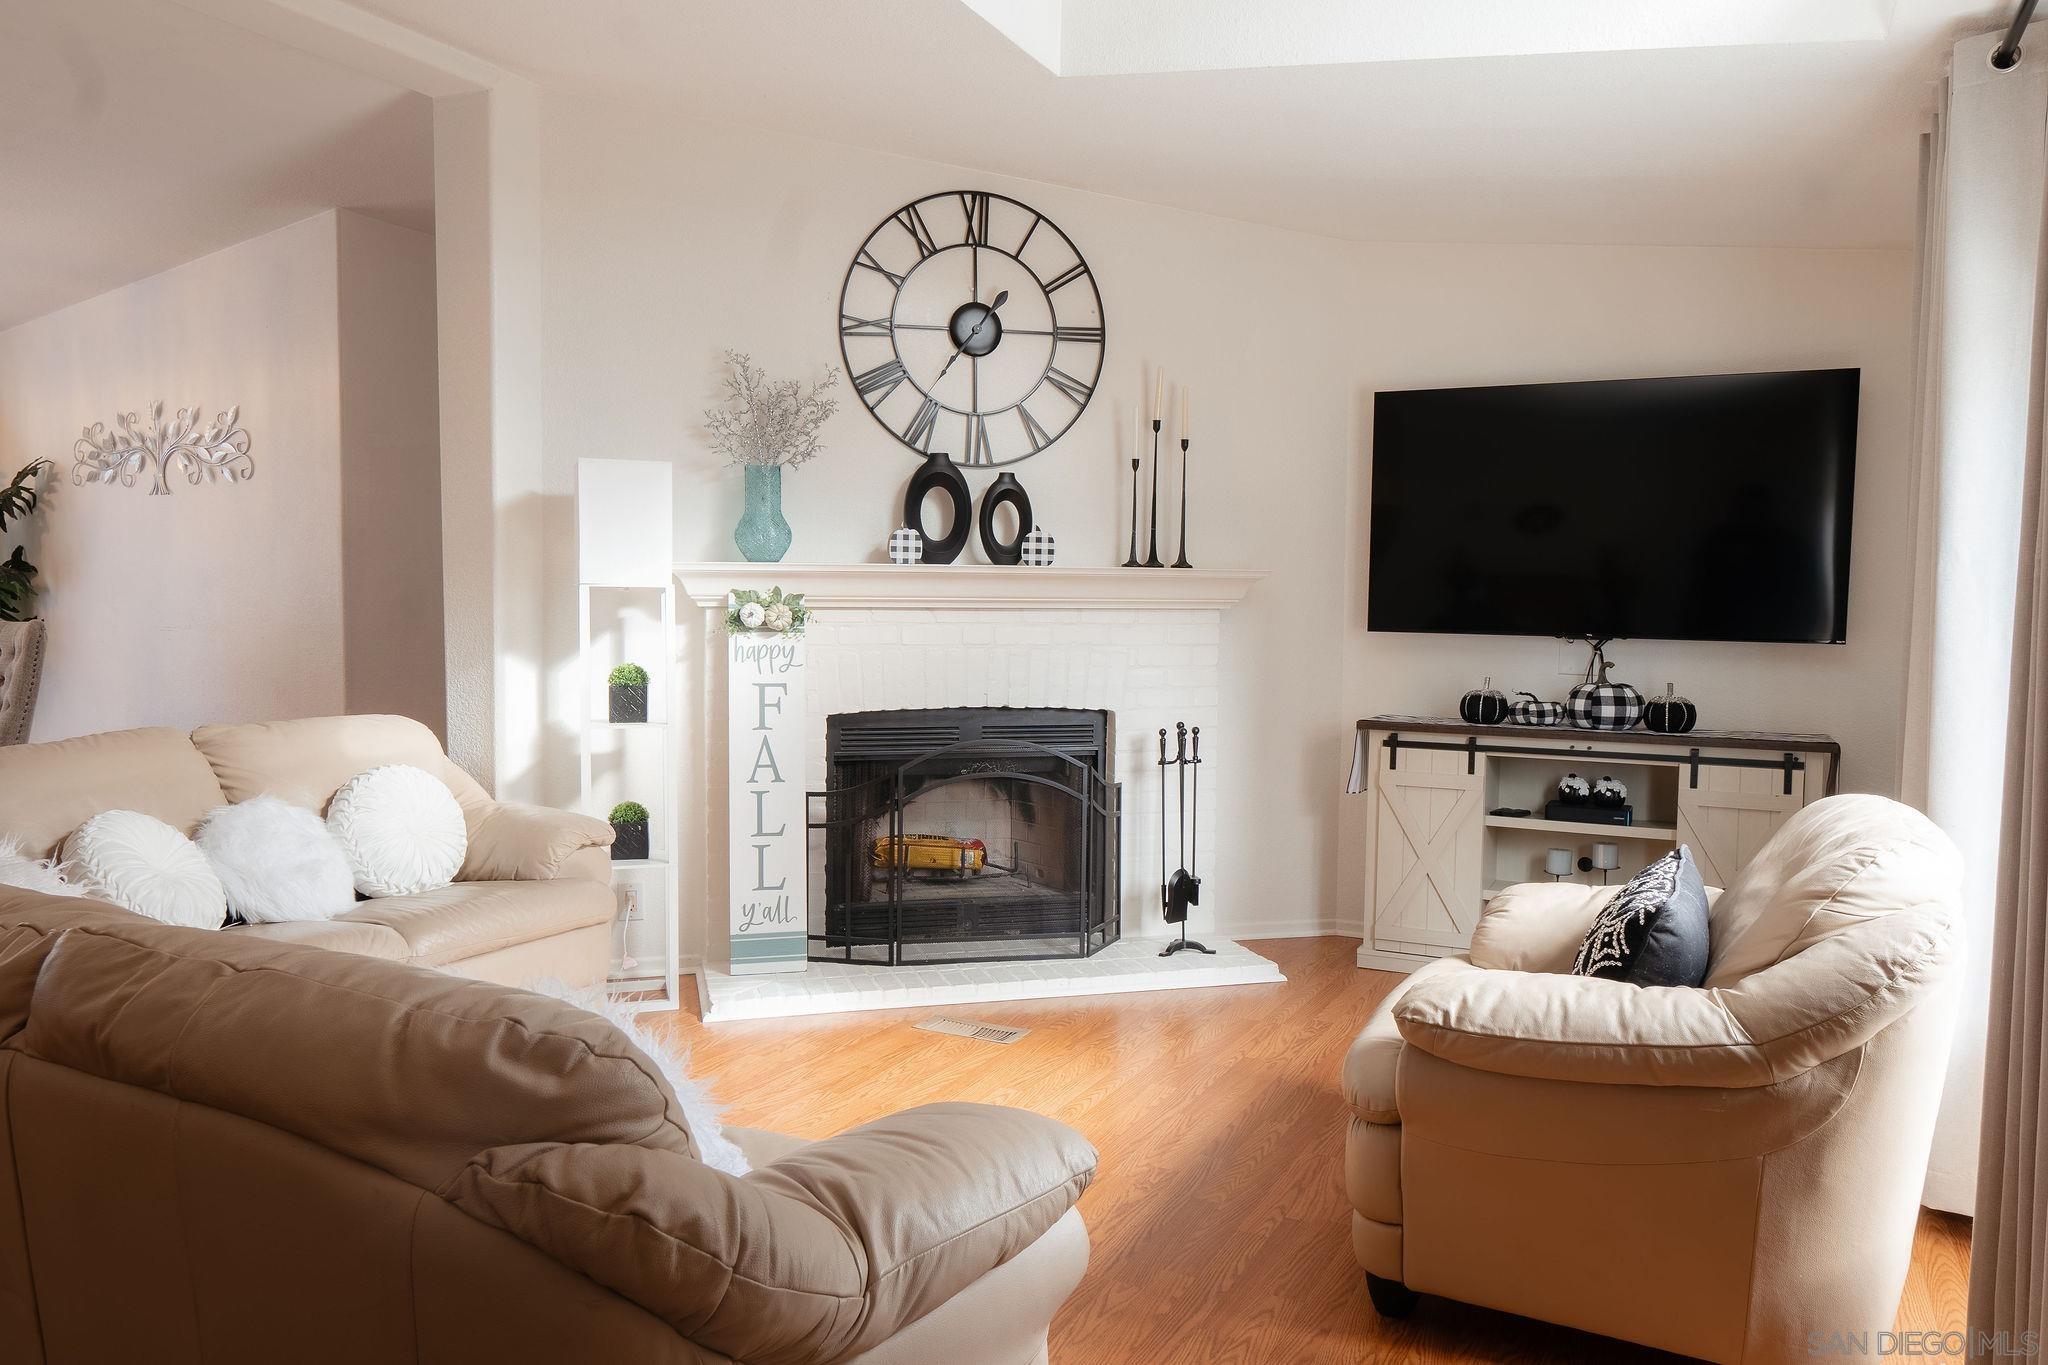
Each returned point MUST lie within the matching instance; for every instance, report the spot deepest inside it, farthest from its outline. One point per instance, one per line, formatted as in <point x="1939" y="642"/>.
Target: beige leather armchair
<point x="216" y="1148"/>
<point x="1720" y="1172"/>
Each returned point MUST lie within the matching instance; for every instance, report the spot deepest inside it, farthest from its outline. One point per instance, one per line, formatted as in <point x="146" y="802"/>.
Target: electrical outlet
<point x="1571" y="658"/>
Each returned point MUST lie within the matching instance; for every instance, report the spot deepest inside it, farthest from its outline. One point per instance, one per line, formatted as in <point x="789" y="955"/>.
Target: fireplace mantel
<point x="881" y="587"/>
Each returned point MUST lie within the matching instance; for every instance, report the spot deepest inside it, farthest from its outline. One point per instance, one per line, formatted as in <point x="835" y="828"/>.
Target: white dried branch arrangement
<point x="769" y="422"/>
<point x="219" y="450"/>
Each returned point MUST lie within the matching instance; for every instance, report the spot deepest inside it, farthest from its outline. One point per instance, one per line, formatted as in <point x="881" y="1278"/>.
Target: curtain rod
<point x="2008" y="52"/>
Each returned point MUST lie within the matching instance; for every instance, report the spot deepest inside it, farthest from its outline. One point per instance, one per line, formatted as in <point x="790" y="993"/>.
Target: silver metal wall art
<point x="219" y="450"/>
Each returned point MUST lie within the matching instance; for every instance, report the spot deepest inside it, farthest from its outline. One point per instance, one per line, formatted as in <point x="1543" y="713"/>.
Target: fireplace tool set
<point x="1182" y="888"/>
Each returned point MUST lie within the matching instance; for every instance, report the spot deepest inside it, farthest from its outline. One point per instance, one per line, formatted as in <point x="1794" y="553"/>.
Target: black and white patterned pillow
<point x="1654" y="932"/>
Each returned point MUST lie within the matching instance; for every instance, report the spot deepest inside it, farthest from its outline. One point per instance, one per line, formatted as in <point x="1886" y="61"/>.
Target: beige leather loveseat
<point x="218" y="1149"/>
<point x="1721" y="1172"/>
<point x="533" y="897"/>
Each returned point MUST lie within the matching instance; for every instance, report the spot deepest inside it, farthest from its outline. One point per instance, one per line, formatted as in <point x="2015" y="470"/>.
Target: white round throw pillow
<point x="142" y="864"/>
<point x="400" y="829"/>
<point x="277" y="861"/>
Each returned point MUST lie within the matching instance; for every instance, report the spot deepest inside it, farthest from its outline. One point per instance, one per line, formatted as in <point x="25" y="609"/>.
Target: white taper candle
<point x="1159" y="395"/>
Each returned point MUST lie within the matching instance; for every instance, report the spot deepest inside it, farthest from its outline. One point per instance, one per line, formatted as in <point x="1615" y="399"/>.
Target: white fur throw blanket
<point x="700" y="1110"/>
<point x="31" y="874"/>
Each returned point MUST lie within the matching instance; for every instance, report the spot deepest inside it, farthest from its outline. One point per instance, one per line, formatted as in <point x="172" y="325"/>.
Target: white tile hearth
<point x="1132" y="964"/>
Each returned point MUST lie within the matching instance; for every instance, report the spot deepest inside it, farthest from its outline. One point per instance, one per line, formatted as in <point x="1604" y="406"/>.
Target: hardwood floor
<point x="1220" y="1228"/>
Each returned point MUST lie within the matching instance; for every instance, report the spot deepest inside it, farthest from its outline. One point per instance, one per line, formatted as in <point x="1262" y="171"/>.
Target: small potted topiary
<point x="629" y="694"/>
<point x="629" y="823"/>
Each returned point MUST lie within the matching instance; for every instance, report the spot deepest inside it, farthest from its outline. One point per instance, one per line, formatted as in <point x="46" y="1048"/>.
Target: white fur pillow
<point x="34" y="874"/>
<point x="400" y="829"/>
<point x="701" y="1112"/>
<point x="140" y="863"/>
<point x="277" y="861"/>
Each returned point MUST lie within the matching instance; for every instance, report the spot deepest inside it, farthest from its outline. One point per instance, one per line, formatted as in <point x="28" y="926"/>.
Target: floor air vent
<point x="967" y="1028"/>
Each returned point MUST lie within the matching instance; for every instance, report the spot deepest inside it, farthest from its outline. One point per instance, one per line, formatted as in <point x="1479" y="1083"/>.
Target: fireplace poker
<point x="1165" y="906"/>
<point x="1180" y="764"/>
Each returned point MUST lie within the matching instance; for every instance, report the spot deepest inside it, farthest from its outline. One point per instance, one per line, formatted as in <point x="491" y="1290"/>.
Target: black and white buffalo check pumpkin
<point x="1604" y="706"/>
<point x="1037" y="548"/>
<point x="906" y="546"/>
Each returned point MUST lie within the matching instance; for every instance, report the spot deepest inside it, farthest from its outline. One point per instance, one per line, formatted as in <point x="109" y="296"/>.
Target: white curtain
<point x="1984" y="173"/>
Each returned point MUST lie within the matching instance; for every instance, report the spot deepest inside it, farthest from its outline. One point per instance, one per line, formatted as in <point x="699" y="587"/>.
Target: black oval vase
<point x="939" y="472"/>
<point x="1004" y="489"/>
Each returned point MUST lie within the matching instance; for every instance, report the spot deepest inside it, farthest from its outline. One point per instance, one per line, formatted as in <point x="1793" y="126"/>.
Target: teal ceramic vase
<point x="762" y="535"/>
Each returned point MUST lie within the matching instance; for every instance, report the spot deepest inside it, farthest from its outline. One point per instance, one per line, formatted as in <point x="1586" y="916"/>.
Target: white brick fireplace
<point x="1142" y="645"/>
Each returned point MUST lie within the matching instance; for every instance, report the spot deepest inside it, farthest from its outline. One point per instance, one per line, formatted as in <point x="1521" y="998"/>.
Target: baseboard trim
<point x="1288" y="928"/>
<point x="1374" y="959"/>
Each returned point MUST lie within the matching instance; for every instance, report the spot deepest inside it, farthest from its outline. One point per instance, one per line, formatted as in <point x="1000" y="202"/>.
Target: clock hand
<point x="1001" y="298"/>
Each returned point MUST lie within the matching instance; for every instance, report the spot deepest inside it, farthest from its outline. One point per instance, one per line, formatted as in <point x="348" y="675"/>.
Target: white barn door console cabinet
<point x="1439" y="842"/>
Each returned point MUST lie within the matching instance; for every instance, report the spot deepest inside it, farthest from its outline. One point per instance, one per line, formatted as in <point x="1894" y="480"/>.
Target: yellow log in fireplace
<point x="930" y="853"/>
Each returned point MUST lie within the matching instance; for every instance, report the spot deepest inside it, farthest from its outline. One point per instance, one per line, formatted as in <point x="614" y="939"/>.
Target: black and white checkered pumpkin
<point x="1037" y="548"/>
<point x="906" y="546"/>
<point x="1598" y="704"/>
<point x="1536" y="711"/>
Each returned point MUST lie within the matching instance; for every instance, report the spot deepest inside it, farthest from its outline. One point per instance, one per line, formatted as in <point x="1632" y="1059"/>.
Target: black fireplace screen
<point x="966" y="834"/>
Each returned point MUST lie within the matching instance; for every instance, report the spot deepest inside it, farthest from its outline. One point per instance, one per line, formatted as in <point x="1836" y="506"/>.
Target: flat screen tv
<point x="1714" y="507"/>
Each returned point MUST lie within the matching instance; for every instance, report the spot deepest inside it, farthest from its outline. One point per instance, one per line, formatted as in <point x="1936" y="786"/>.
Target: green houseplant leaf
<point x="18" y="499"/>
<point x="17" y="579"/>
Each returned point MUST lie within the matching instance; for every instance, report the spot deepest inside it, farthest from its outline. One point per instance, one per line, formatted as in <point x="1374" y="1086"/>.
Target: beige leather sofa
<point x="533" y="897"/>
<point x="1718" y="1172"/>
<point x="218" y="1148"/>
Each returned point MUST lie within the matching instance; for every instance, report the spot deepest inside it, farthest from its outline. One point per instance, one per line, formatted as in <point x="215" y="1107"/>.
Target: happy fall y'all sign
<point x="765" y="777"/>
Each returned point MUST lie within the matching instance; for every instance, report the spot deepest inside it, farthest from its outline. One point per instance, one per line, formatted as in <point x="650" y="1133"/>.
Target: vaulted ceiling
<point x="136" y="135"/>
<point x="1735" y="121"/>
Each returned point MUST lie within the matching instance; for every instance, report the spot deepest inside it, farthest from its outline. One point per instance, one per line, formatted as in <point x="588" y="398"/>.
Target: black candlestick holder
<point x="1132" y="562"/>
<point x="1152" y="559"/>
<point x="1182" y="562"/>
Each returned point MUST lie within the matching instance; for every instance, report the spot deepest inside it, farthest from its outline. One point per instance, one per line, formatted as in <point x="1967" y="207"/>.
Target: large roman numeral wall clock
<point x="971" y="325"/>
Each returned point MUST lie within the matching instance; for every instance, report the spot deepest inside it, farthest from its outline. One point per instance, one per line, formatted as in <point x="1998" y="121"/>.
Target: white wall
<point x="1524" y="314"/>
<point x="391" y="470"/>
<point x="220" y="602"/>
<point x="487" y="231"/>
<point x="667" y="241"/>
<point x="216" y="602"/>
<point x="1541" y="313"/>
